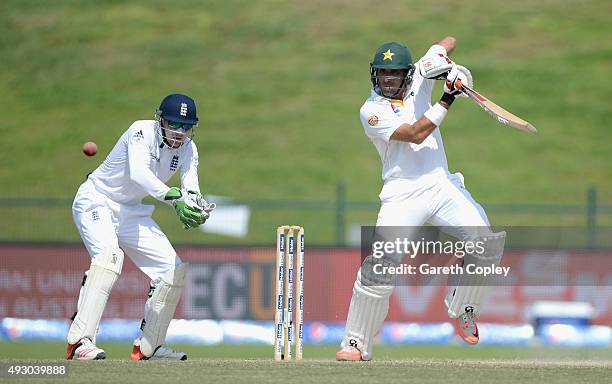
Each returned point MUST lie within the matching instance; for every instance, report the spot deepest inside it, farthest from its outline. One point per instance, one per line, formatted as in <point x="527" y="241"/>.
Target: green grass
<point x="253" y="364"/>
<point x="279" y="85"/>
<point x="58" y="226"/>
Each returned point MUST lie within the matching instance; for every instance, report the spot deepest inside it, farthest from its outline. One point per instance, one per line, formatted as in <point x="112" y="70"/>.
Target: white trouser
<point x="443" y="202"/>
<point x="105" y="226"/>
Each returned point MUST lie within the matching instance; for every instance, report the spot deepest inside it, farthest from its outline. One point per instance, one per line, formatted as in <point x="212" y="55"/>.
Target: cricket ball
<point x="90" y="148"/>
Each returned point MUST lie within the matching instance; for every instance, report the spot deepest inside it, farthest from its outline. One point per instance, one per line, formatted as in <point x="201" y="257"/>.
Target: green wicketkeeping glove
<point x="191" y="217"/>
<point x="195" y="200"/>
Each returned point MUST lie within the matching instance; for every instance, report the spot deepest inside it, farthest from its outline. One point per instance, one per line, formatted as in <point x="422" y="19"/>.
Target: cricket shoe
<point x="466" y="326"/>
<point x="349" y="353"/>
<point x="84" y="349"/>
<point x="163" y="352"/>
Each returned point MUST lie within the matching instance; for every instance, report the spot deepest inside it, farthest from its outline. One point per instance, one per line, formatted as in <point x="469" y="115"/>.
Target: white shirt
<point x="140" y="165"/>
<point x="380" y="117"/>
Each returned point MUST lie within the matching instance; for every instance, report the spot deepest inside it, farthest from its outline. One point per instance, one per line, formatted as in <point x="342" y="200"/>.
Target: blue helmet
<point x="178" y="108"/>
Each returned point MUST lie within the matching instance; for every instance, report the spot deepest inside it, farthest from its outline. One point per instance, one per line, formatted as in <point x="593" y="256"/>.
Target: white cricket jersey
<point x="380" y="117"/>
<point x="140" y="165"/>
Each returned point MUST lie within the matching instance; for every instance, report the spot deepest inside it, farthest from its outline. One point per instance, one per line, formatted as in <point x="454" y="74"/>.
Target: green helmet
<point x="392" y="56"/>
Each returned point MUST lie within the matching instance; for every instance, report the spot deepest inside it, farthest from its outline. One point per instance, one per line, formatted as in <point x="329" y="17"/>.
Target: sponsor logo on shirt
<point x="395" y="107"/>
<point x="138" y="135"/>
<point x="174" y="163"/>
<point x="373" y="120"/>
<point x="427" y="63"/>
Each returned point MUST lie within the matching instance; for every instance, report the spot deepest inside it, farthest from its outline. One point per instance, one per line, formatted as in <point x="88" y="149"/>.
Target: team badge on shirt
<point x="373" y="120"/>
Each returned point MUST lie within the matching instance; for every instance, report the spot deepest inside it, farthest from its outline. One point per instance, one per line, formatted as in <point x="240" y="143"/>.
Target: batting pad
<point x="101" y="277"/>
<point x="471" y="289"/>
<point x="161" y="307"/>
<point x="367" y="312"/>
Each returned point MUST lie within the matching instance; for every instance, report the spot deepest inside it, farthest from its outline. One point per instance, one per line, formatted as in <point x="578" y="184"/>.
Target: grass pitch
<point x="253" y="364"/>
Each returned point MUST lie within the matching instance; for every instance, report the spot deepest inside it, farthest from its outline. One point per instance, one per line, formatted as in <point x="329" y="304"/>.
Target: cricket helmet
<point x="178" y="108"/>
<point x="180" y="115"/>
<point x="392" y="56"/>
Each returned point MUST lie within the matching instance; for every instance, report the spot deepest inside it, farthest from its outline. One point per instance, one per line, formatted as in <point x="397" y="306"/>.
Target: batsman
<point x="401" y="122"/>
<point x="113" y="222"/>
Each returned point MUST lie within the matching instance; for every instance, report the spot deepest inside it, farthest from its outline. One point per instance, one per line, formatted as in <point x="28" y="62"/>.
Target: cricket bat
<point x="498" y="112"/>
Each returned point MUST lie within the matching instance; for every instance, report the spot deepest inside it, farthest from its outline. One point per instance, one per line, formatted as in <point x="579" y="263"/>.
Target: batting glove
<point x="457" y="77"/>
<point x="435" y="66"/>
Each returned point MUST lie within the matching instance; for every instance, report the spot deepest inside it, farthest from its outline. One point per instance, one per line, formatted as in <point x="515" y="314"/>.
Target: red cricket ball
<point x="90" y="148"/>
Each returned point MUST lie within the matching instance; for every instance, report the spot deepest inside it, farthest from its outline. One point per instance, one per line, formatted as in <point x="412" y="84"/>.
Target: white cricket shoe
<point x="466" y="326"/>
<point x="163" y="352"/>
<point x="84" y="349"/>
<point x="349" y="353"/>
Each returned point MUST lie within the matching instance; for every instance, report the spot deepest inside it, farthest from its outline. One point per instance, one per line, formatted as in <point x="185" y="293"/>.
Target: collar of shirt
<point x="376" y="97"/>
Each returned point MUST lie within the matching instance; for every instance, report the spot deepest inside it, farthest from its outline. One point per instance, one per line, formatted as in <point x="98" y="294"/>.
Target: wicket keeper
<point x="111" y="220"/>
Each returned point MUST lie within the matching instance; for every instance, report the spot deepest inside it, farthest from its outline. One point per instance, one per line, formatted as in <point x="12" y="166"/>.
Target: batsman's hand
<point x="456" y="78"/>
<point x="435" y="66"/>
<point x="189" y="216"/>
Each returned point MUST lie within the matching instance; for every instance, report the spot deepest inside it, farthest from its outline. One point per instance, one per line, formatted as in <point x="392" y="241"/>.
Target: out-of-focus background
<point x="278" y="87"/>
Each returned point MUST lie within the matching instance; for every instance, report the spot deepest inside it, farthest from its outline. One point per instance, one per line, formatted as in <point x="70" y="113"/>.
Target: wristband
<point x="436" y="114"/>
<point x="448" y="98"/>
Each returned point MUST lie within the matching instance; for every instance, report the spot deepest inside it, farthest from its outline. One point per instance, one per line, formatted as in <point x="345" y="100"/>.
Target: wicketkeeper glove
<point x="188" y="214"/>
<point x="196" y="201"/>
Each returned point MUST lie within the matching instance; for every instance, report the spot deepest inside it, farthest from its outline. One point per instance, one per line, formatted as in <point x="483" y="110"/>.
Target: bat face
<point x="498" y="112"/>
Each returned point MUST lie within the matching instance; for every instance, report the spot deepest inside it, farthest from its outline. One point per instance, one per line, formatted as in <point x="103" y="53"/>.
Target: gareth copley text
<point x="426" y="269"/>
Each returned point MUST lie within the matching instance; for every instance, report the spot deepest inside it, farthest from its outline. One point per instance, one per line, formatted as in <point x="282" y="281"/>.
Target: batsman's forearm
<point x="423" y="127"/>
<point x="446" y="100"/>
<point x="448" y="43"/>
<point x="414" y="133"/>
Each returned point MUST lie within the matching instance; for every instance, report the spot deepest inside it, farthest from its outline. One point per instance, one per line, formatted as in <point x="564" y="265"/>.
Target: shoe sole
<point x="343" y="357"/>
<point x="99" y="356"/>
<point x="183" y="358"/>
<point x="153" y="358"/>
<point x="468" y="338"/>
<point x="472" y="340"/>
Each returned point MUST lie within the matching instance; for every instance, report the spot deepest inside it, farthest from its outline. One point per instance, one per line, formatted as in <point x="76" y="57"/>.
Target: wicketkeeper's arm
<point x="138" y="158"/>
<point x="189" y="171"/>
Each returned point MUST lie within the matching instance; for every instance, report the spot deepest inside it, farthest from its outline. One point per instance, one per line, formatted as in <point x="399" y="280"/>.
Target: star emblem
<point x="388" y="55"/>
